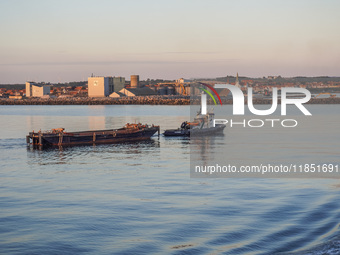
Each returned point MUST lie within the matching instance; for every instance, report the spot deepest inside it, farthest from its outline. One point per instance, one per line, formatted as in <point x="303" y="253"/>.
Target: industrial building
<point x="104" y="86"/>
<point x="37" y="90"/>
<point x="134" y="81"/>
<point x="131" y="92"/>
<point x="118" y="84"/>
<point x="180" y="87"/>
<point x="117" y="95"/>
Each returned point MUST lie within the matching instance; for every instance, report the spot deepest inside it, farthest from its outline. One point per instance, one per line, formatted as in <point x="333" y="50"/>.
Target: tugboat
<point x="203" y="124"/>
<point x="58" y="137"/>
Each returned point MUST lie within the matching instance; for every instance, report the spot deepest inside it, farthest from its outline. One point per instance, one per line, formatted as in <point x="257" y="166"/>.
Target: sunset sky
<point x="58" y="41"/>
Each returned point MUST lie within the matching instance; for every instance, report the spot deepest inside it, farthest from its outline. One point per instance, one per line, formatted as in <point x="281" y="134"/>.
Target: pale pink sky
<point x="63" y="40"/>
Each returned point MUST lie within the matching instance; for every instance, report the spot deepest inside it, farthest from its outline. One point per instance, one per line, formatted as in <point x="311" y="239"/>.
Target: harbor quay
<point x="136" y="100"/>
<point x="139" y="100"/>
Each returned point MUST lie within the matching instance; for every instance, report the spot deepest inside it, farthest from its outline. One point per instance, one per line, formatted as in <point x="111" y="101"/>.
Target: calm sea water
<point x="138" y="198"/>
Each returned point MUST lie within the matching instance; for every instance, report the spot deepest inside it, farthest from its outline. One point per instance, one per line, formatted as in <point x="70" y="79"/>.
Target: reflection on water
<point x="97" y="122"/>
<point x="66" y="155"/>
<point x="203" y="147"/>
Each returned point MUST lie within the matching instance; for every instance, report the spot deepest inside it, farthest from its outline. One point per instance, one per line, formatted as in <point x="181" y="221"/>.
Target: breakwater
<point x="138" y="100"/>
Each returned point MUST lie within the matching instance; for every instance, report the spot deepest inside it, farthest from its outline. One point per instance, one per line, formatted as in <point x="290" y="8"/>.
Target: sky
<point x="68" y="40"/>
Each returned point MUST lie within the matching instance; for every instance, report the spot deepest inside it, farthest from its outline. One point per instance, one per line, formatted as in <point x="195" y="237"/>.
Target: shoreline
<point x="156" y="100"/>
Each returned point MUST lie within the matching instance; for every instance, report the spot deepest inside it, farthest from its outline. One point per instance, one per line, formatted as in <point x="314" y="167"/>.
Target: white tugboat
<point x="203" y="123"/>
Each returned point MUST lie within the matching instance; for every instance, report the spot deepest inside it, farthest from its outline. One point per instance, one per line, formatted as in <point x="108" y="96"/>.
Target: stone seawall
<point x="150" y="100"/>
<point x="147" y="100"/>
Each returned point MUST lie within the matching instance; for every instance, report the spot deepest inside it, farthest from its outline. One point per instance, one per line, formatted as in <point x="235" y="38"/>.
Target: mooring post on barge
<point x="35" y="139"/>
<point x="40" y="138"/>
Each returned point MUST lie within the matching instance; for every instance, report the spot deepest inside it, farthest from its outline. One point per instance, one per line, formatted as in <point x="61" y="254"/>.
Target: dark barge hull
<point x="90" y="137"/>
<point x="194" y="132"/>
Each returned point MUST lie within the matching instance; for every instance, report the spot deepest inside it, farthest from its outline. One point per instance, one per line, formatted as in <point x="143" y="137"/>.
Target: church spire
<point x="237" y="83"/>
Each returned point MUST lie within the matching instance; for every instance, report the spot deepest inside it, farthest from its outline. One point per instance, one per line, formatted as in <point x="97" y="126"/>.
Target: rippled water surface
<point x="138" y="198"/>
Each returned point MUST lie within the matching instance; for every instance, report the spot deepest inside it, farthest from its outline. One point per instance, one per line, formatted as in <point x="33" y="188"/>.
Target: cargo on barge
<point x="58" y="137"/>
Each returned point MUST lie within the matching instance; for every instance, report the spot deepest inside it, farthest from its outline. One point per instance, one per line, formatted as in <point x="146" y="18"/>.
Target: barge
<point x="58" y="137"/>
